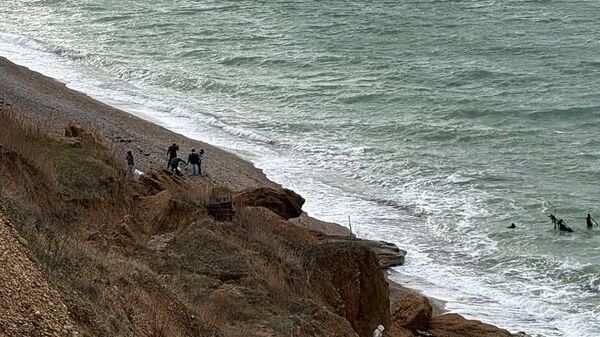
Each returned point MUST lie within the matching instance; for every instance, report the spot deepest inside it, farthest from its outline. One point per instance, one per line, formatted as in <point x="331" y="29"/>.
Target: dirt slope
<point x="29" y="306"/>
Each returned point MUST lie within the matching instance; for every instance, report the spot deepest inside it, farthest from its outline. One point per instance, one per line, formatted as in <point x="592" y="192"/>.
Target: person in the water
<point x="589" y="221"/>
<point x="562" y="226"/>
<point x="554" y="220"/>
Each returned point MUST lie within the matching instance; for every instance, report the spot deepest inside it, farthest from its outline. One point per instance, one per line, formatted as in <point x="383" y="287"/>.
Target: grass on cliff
<point x="82" y="169"/>
<point x="236" y="278"/>
<point x="80" y="175"/>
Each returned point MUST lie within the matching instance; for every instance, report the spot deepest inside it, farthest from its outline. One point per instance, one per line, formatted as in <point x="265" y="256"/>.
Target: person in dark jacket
<point x="554" y="220"/>
<point x="172" y="153"/>
<point x="590" y="221"/>
<point x="175" y="165"/>
<point x="194" y="161"/>
<point x="130" y="162"/>
<point x="562" y="226"/>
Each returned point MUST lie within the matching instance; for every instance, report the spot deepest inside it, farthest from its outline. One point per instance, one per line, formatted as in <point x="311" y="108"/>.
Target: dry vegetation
<point x="144" y="258"/>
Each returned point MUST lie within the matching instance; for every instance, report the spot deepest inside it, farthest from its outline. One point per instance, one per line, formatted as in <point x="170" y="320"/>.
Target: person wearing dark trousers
<point x="175" y="165"/>
<point x="194" y="161"/>
<point x="172" y="153"/>
<point x="590" y="221"/>
<point x="200" y="157"/>
<point x="130" y="162"/>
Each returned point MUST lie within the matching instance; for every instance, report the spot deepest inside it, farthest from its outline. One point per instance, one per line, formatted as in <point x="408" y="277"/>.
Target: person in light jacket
<point x="379" y="331"/>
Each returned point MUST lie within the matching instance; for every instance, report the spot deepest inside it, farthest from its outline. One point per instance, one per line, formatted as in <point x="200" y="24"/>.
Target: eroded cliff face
<point x="348" y="278"/>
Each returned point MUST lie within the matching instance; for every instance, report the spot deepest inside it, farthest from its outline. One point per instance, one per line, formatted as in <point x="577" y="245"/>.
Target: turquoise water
<point x="433" y="124"/>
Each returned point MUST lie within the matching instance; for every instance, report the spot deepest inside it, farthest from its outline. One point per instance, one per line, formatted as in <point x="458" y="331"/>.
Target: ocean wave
<point x="23" y="41"/>
<point x="571" y="112"/>
<point x="361" y="98"/>
<point x="71" y="54"/>
<point x="112" y="18"/>
<point x="241" y="60"/>
<point x="457" y="178"/>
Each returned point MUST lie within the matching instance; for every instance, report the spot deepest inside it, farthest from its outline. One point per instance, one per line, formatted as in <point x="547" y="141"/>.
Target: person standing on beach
<point x="194" y="161"/>
<point x="172" y="153"/>
<point x="130" y="162"/>
<point x="200" y="157"/>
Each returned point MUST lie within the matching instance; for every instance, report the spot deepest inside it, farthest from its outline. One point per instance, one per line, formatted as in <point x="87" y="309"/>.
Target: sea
<point x="431" y="124"/>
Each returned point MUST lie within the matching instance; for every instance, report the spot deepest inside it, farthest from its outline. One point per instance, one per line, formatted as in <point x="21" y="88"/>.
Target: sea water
<point x="432" y="124"/>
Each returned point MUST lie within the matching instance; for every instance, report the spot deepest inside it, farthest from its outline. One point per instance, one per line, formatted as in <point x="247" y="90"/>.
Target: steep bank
<point x="247" y="266"/>
<point x="29" y="305"/>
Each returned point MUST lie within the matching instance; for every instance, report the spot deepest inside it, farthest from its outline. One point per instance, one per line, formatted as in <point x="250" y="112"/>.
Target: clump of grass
<point x="83" y="169"/>
<point x="26" y="138"/>
<point x="202" y="252"/>
<point x="79" y="175"/>
<point x="283" y="324"/>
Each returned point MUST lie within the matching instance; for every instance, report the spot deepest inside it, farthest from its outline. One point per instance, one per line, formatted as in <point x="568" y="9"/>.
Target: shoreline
<point x="42" y="98"/>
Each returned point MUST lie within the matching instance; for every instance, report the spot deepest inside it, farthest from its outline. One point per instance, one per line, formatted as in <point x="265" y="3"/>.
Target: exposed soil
<point x="29" y="305"/>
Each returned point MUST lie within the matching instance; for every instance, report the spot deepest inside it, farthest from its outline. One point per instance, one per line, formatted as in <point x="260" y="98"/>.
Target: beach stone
<point x="74" y="129"/>
<point x="454" y="325"/>
<point x="412" y="311"/>
<point x="23" y="241"/>
<point x="283" y="202"/>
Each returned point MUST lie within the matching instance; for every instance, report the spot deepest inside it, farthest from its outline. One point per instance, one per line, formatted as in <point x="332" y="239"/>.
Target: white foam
<point x="22" y="41"/>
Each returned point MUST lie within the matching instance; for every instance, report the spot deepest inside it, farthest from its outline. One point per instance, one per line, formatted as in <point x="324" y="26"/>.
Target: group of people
<point x="561" y="225"/>
<point x="174" y="163"/>
<point x="194" y="160"/>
